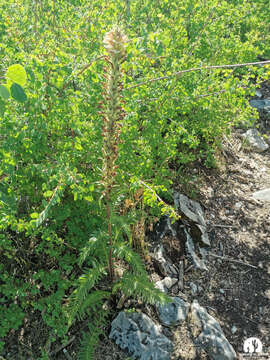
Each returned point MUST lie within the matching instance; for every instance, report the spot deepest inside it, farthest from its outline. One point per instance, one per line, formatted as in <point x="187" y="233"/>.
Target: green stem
<point x="108" y="208"/>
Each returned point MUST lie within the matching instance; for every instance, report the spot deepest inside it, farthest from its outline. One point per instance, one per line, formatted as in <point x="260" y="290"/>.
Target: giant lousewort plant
<point x="113" y="114"/>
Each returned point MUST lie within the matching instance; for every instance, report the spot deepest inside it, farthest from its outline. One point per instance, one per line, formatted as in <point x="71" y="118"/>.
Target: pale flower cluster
<point x="115" y="42"/>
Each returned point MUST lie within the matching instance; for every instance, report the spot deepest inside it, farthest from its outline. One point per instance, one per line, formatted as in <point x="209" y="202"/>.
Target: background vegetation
<point x="51" y="141"/>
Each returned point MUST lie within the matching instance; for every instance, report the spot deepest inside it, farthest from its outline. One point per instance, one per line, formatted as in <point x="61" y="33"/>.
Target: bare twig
<point x="121" y="301"/>
<point x="181" y="275"/>
<point x="224" y="226"/>
<point x="232" y="260"/>
<point x="229" y="66"/>
<point x="62" y="346"/>
<point x="82" y="70"/>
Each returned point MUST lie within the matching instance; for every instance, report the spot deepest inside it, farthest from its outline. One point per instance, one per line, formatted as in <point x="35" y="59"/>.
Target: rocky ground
<point x="236" y="288"/>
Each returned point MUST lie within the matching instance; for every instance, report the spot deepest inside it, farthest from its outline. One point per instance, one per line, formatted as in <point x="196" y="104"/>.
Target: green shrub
<point x="53" y="222"/>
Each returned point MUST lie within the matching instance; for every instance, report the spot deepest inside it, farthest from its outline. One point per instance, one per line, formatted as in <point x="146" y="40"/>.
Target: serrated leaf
<point x="16" y="74"/>
<point x="4" y="92"/>
<point x="18" y="93"/>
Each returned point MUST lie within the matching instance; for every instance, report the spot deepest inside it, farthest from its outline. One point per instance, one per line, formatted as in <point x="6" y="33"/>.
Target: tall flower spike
<point x="113" y="113"/>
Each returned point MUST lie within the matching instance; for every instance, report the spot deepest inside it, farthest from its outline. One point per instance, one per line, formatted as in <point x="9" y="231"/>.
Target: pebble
<point x="194" y="288"/>
<point x="262" y="195"/>
<point x="238" y="205"/>
<point x="169" y="282"/>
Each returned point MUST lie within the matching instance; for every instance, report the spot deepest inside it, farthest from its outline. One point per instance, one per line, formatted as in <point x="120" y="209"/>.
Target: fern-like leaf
<point x="86" y="282"/>
<point x="121" y="225"/>
<point x="139" y="286"/>
<point x="92" y="303"/>
<point x="91" y="338"/>
<point x="123" y="251"/>
<point x="96" y="246"/>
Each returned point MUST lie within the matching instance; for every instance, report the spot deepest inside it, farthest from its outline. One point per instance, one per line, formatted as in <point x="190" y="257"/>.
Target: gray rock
<point x="140" y="336"/>
<point x="258" y="93"/>
<point x="192" y="210"/>
<point x="197" y="261"/>
<point x="238" y="205"/>
<point x="255" y="140"/>
<point x="262" y="195"/>
<point x="169" y="282"/>
<point x="193" y="287"/>
<point x="164" y="227"/>
<point x="260" y="104"/>
<point x="163" y="262"/>
<point x="174" y="312"/>
<point x="166" y="283"/>
<point x="161" y="286"/>
<point x="211" y="336"/>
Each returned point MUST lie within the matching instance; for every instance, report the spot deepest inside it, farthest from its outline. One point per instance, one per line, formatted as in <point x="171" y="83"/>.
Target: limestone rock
<point x="255" y="140"/>
<point x="140" y="336"/>
<point x="164" y="264"/>
<point x="260" y="104"/>
<point x="174" y="312"/>
<point x="165" y="284"/>
<point x="258" y="94"/>
<point x="211" y="336"/>
<point x="197" y="261"/>
<point x="192" y="211"/>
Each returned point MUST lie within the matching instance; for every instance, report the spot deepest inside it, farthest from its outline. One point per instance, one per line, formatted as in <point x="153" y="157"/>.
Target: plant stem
<point x="108" y="208"/>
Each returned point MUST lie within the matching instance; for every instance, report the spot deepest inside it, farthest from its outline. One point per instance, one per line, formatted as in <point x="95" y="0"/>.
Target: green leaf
<point x="4" y="92"/>
<point x="34" y="215"/>
<point x="18" y="93"/>
<point x="17" y="74"/>
<point x="48" y="193"/>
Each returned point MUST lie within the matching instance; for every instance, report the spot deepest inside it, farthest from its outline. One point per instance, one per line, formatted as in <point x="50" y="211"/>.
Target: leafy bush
<point x="51" y="137"/>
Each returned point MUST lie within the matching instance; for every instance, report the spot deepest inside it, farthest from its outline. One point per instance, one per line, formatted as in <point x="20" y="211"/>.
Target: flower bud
<point x="115" y="43"/>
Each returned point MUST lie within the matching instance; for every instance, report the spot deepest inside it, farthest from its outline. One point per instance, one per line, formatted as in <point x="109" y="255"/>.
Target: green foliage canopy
<point x="50" y="153"/>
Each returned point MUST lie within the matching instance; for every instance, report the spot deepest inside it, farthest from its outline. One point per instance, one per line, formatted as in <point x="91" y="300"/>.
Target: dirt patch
<point x="237" y="294"/>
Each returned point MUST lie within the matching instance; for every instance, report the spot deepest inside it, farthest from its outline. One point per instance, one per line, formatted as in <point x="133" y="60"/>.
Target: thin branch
<point x="62" y="346"/>
<point x="149" y="188"/>
<point x="230" y="66"/>
<point x="225" y="226"/>
<point x="173" y="211"/>
<point x="88" y="65"/>
<point x="232" y="260"/>
<point x="82" y="70"/>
